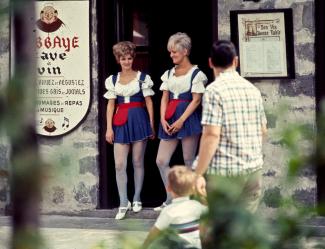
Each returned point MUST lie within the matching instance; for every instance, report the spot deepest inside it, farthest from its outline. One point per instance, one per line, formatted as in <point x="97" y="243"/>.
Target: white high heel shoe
<point x="161" y="207"/>
<point x="122" y="211"/>
<point x="136" y="206"/>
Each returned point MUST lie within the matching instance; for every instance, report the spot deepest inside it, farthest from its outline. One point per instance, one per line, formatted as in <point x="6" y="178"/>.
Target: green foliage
<point x="100" y="245"/>
<point x="228" y="224"/>
<point x="27" y="239"/>
<point x="299" y="140"/>
<point x="272" y="197"/>
<point x="169" y="240"/>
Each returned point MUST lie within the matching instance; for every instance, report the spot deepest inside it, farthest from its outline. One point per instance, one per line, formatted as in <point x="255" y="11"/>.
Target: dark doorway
<point x="320" y="97"/>
<point x="161" y="19"/>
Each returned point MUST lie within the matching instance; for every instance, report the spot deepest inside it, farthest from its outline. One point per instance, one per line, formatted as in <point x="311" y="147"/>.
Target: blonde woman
<point x="130" y="122"/>
<point x="180" y="112"/>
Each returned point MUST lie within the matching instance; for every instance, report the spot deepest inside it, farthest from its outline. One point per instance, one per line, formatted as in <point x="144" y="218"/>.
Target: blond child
<point x="183" y="214"/>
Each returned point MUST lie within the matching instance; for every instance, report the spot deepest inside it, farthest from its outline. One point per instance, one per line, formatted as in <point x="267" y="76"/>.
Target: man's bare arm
<point x="208" y="146"/>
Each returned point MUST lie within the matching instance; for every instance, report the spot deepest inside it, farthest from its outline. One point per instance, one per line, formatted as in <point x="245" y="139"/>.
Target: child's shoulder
<point x="195" y="202"/>
<point x="197" y="205"/>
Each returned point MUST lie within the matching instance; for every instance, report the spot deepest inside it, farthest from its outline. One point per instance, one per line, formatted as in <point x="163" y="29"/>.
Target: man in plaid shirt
<point x="234" y="124"/>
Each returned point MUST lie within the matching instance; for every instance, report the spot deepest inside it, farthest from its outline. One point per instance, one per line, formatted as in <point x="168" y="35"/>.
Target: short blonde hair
<point x="124" y="48"/>
<point x="181" y="180"/>
<point x="179" y="41"/>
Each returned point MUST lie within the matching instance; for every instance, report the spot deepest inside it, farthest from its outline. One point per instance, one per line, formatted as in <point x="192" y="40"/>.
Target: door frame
<point x="320" y="91"/>
<point x="108" y="32"/>
<point x="115" y="24"/>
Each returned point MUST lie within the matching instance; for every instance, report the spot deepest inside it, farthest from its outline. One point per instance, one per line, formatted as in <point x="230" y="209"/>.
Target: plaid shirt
<point x="235" y="105"/>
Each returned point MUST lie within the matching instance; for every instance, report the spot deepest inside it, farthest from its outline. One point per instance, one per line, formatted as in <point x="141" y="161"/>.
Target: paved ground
<point x="63" y="232"/>
<point x="76" y="232"/>
<point x="70" y="238"/>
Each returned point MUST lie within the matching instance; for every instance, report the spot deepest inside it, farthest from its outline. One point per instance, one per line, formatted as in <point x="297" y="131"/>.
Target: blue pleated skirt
<point x="136" y="128"/>
<point x="192" y="125"/>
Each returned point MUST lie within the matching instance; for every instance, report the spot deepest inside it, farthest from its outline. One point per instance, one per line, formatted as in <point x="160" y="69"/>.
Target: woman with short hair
<point x="180" y="112"/>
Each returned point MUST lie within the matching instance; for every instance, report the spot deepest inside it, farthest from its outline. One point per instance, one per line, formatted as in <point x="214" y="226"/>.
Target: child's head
<point x="124" y="48"/>
<point x="181" y="180"/>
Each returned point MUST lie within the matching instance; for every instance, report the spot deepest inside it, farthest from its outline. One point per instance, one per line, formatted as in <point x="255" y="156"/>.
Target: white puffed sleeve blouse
<point x="129" y="89"/>
<point x="182" y="83"/>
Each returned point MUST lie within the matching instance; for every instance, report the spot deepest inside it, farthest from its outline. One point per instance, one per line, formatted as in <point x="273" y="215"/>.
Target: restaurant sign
<point x="63" y="65"/>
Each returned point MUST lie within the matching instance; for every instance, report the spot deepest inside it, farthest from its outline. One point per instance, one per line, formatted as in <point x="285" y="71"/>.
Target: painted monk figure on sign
<point x="49" y="21"/>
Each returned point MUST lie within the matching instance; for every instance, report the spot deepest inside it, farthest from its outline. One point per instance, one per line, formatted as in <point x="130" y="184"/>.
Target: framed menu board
<point x="264" y="40"/>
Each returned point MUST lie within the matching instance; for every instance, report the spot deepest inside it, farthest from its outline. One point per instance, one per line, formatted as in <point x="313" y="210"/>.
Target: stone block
<point x="308" y="16"/>
<point x="94" y="191"/>
<point x="52" y="141"/>
<point x="3" y="156"/>
<point x="305" y="197"/>
<point x="301" y="85"/>
<point x="3" y="194"/>
<point x="305" y="51"/>
<point x="58" y="195"/>
<point x="88" y="165"/>
<point x="270" y="173"/>
<point x="81" y="193"/>
<point x="4" y="45"/>
<point x="81" y="145"/>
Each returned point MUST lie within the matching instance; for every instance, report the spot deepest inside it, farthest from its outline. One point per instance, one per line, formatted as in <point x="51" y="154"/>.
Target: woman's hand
<point x="153" y="131"/>
<point x="110" y="136"/>
<point x="176" y="126"/>
<point x="165" y="126"/>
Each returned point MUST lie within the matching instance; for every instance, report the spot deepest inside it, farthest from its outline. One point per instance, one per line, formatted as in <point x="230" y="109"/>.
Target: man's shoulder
<point x="244" y="85"/>
<point x="247" y="83"/>
<point x="253" y="88"/>
<point x="219" y="87"/>
<point x="216" y="86"/>
<point x="222" y="84"/>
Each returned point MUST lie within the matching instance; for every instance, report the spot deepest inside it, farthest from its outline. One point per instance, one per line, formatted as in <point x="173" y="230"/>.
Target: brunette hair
<point x="124" y="48"/>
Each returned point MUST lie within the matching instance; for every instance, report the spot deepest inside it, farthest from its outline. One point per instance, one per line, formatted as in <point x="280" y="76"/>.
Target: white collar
<point x="180" y="199"/>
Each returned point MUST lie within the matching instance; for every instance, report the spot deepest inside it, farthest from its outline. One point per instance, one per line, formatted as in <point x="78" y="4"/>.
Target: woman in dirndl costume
<point x="130" y="122"/>
<point x="180" y="112"/>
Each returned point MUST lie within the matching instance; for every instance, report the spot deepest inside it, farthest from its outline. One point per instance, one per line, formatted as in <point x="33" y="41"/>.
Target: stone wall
<point x="71" y="175"/>
<point x="298" y="94"/>
<point x="71" y="180"/>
